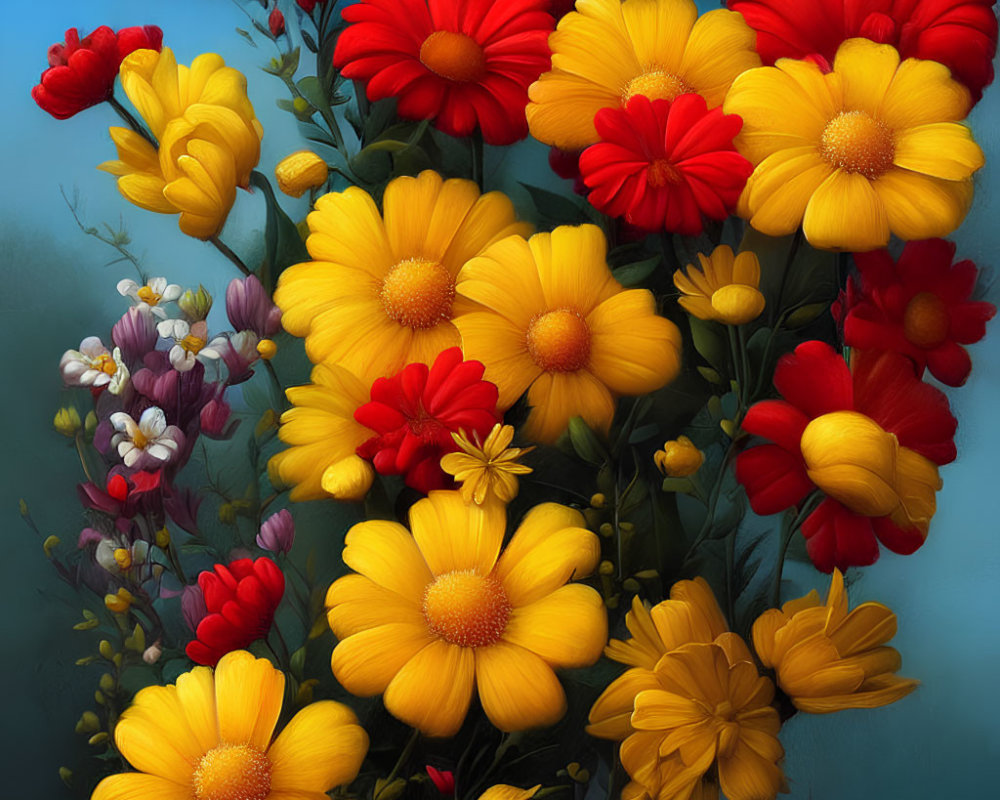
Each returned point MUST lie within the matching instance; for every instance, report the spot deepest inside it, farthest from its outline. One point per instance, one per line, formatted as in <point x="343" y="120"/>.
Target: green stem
<point x="478" y="157"/>
<point x="228" y="253"/>
<point x="793" y="251"/>
<point x="83" y="457"/>
<point x="131" y="121"/>
<point x="790" y="524"/>
<point x="404" y="756"/>
<point x="730" y="561"/>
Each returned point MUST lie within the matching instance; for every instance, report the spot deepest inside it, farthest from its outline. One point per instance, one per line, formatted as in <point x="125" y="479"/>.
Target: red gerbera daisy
<point x="415" y="412"/>
<point x="918" y="306"/>
<point x="241" y="600"/>
<point x="82" y="71"/>
<point x="881" y="396"/>
<point x="961" y="34"/>
<point x="664" y="165"/>
<point x="462" y="63"/>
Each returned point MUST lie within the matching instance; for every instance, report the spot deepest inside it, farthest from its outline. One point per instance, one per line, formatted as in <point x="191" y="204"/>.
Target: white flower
<point x="150" y="442"/>
<point x="190" y="342"/>
<point x="152" y="295"/>
<point x="91" y="365"/>
<point x="105" y="554"/>
<point x="120" y="379"/>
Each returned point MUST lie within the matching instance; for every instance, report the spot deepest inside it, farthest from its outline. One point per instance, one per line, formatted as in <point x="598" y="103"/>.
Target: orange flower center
<point x="454" y="56"/>
<point x="661" y="172"/>
<point x="559" y="341"/>
<point x="418" y="293"/>
<point x="854" y="141"/>
<point x="104" y="363"/>
<point x="148" y="296"/>
<point x="926" y="321"/>
<point x="232" y="772"/>
<point x="466" y="609"/>
<point x="656" y="84"/>
<point x="192" y="343"/>
<point x="139" y="439"/>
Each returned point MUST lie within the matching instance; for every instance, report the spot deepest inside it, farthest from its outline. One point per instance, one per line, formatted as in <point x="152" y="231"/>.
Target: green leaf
<point x="709" y="342"/>
<point x="554" y="207"/>
<point x="681" y="485"/>
<point x="631" y="275"/>
<point x="644" y="433"/>
<point x="246" y="35"/>
<point x="586" y="443"/>
<point x="710" y="375"/>
<point x="805" y="314"/>
<point x="282" y="244"/>
<point x="312" y="90"/>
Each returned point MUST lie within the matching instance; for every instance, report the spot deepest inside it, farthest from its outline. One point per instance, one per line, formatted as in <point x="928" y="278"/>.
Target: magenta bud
<point x="215" y="421"/>
<point x="277" y="533"/>
<point x="135" y="333"/>
<point x="249" y="307"/>
<point x="193" y="606"/>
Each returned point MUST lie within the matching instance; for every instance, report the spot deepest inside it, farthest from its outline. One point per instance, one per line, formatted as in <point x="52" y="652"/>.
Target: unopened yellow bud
<point x="626" y="527"/>
<point x="679" y="458"/>
<point x="120" y="602"/>
<point x="90" y="424"/>
<point x="123" y="558"/>
<point x="107" y="683"/>
<point x="348" y="479"/>
<point x="737" y="304"/>
<point x="607" y="530"/>
<point x="598" y="501"/>
<point x="50" y="544"/>
<point x="66" y="776"/>
<point x="631" y="585"/>
<point x="105" y="649"/>
<point x="98" y="738"/>
<point x="195" y="304"/>
<point x="301" y="171"/>
<point x="267" y="348"/>
<point x="606" y="568"/>
<point x="227" y="514"/>
<point x="67" y="422"/>
<point x="88" y="723"/>
<point x="163" y="538"/>
<point x="99" y="698"/>
<point x="301" y="106"/>
<point x="388" y="790"/>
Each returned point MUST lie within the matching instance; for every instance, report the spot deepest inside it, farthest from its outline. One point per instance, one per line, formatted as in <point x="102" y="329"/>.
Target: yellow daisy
<point x="209" y="737"/>
<point x="869" y="149"/>
<point x="380" y="293"/>
<point x="434" y="613"/>
<point x="608" y="51"/>
<point x="828" y="659"/>
<point x="554" y="321"/>
<point x="724" y="289"/>
<point x="487" y="470"/>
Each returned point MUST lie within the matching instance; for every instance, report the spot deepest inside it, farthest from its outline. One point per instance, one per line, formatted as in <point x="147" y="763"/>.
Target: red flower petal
<point x="815" y="379"/>
<point x="837" y="537"/>
<point x="774" y="479"/>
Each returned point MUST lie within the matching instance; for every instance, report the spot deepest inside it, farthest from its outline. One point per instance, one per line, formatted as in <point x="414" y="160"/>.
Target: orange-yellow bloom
<point x="608" y="51"/>
<point x="209" y="736"/>
<point x="725" y="289"/>
<point x="487" y="469"/>
<point x="553" y="320"/>
<point x="679" y="458"/>
<point x="433" y="614"/>
<point x="828" y="659"/>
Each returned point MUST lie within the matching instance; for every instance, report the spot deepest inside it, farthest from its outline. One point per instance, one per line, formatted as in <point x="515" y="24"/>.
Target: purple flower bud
<point x="249" y="308"/>
<point x="89" y="536"/>
<point x="277" y="533"/>
<point x="215" y="422"/>
<point x="193" y="606"/>
<point x="239" y="352"/>
<point x="135" y="333"/>
<point x="182" y="506"/>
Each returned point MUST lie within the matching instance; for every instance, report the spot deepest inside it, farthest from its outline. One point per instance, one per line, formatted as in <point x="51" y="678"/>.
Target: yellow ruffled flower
<point x="209" y="735"/>
<point x="679" y="458"/>
<point x="828" y="659"/>
<point x="690" y="615"/>
<point x="608" y="51"/>
<point x="870" y="149"/>
<point x="437" y="614"/>
<point x="553" y="320"/>
<point x="380" y="293"/>
<point x="208" y="134"/>
<point x="487" y="469"/>
<point x="299" y="172"/>
<point x="724" y="289"/>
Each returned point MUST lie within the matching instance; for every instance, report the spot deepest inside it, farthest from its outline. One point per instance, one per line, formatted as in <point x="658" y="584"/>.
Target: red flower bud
<point x="276" y="22"/>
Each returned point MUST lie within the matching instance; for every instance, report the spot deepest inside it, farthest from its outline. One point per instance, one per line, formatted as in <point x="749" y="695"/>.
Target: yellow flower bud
<point x="267" y="348"/>
<point x="67" y="422"/>
<point x="50" y="544"/>
<point x="107" y="683"/>
<point x="120" y="602"/>
<point x="301" y="106"/>
<point x="300" y="172"/>
<point x="88" y="723"/>
<point x="389" y="790"/>
<point x="606" y="530"/>
<point x="123" y="558"/>
<point x="606" y="568"/>
<point x="268" y="422"/>
<point x="679" y="458"/>
<point x="737" y="304"/>
<point x="227" y="514"/>
<point x="348" y="479"/>
<point x="66" y="776"/>
<point x="724" y="289"/>
<point x="98" y="738"/>
<point x="598" y="500"/>
<point x="90" y="424"/>
<point x="106" y="650"/>
<point x="163" y="538"/>
<point x="196" y="305"/>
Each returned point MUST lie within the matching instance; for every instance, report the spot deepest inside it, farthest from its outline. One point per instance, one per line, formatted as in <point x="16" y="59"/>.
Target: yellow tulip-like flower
<point x="323" y="437"/>
<point x="608" y="51"/>
<point x="553" y="320"/>
<point x="711" y="711"/>
<point x="872" y="148"/>
<point x="487" y="469"/>
<point x="209" y="139"/>
<point x="503" y="791"/>
<point x="67" y="422"/>
<point x="209" y="737"/>
<point x="435" y="613"/>
<point x="299" y="172"/>
<point x="690" y="615"/>
<point x="679" y="458"/>
<point x="854" y="461"/>
<point x="828" y="659"/>
<point x="724" y="289"/>
<point x="380" y="293"/>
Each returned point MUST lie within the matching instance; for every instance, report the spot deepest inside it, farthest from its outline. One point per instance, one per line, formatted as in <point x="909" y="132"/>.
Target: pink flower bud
<point x="277" y="533"/>
<point x="215" y="421"/>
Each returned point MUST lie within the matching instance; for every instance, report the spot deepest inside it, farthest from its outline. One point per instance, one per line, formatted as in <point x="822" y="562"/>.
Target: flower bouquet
<point x="485" y="482"/>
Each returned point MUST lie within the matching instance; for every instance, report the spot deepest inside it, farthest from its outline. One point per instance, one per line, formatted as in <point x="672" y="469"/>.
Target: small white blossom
<point x="150" y="442"/>
<point x="91" y="365"/>
<point x="153" y="295"/>
<point x="190" y="342"/>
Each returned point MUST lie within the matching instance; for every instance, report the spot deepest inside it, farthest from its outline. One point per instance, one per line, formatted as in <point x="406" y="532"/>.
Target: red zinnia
<point x="918" y="306"/>
<point x="82" y="72"/>
<point x="815" y="381"/>
<point x="663" y="165"/>
<point x="241" y="600"/>
<point x="416" y="411"/>
<point x="462" y="63"/>
<point x="961" y="34"/>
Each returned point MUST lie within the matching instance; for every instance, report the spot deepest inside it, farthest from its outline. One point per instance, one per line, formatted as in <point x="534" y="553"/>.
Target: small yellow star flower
<point x="488" y="468"/>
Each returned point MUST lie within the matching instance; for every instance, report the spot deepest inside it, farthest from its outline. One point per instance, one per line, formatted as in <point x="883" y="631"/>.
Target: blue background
<point x="942" y="741"/>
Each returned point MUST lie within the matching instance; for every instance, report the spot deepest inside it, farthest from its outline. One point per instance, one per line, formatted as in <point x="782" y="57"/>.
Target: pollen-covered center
<point x="926" y="320"/>
<point x="192" y="344"/>
<point x="139" y="439"/>
<point x="232" y="772"/>
<point x="418" y="293"/>
<point x="466" y="609"/>
<point x="104" y="363"/>
<point x="656" y="84"/>
<point x="661" y="172"/>
<point x="559" y="341"/>
<point x="854" y="141"/>
<point x="454" y="56"/>
<point x="148" y="296"/>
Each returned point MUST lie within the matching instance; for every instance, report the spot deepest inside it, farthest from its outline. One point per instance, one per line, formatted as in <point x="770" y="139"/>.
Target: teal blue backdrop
<point x="941" y="742"/>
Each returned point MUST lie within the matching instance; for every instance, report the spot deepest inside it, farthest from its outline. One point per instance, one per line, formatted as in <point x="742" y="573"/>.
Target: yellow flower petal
<point x="501" y="346"/>
<point x="433" y="691"/>
<point x="611" y="713"/>
<point x="366" y="662"/>
<point x="874" y="693"/>
<point x="779" y="191"/>
<point x="923" y="92"/>
<point x="943" y="150"/>
<point x="357" y="603"/>
<point x="563" y="106"/>
<point x="504" y="792"/>
<point x="505" y="280"/>
<point x="474" y="533"/>
<point x="146" y="191"/>
<point x="865" y="69"/>
<point x="572" y="269"/>
<point x="307" y="290"/>
<point x="153" y="734"/>
<point x="138" y="786"/>
<point x="248" y="694"/>
<point x="720" y="48"/>
<point x="846" y="213"/>
<point x="196" y="697"/>
<point x="321" y="747"/>
<point x="518" y="689"/>
<point x="748" y="776"/>
<point x="387" y="553"/>
<point x="555" y="398"/>
<point x="346" y="228"/>
<point x="568" y="628"/>
<point x="490" y="219"/>
<point x="659" y="33"/>
<point x="922" y="207"/>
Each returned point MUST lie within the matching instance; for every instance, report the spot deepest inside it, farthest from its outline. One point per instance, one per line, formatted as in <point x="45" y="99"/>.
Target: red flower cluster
<point x="415" y="412"/>
<point x="814" y="381"/>
<point x="918" y="306"/>
<point x="241" y="600"/>
<point x="961" y="34"/>
<point x="82" y="71"/>
<point x="463" y="63"/>
<point x="664" y="165"/>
